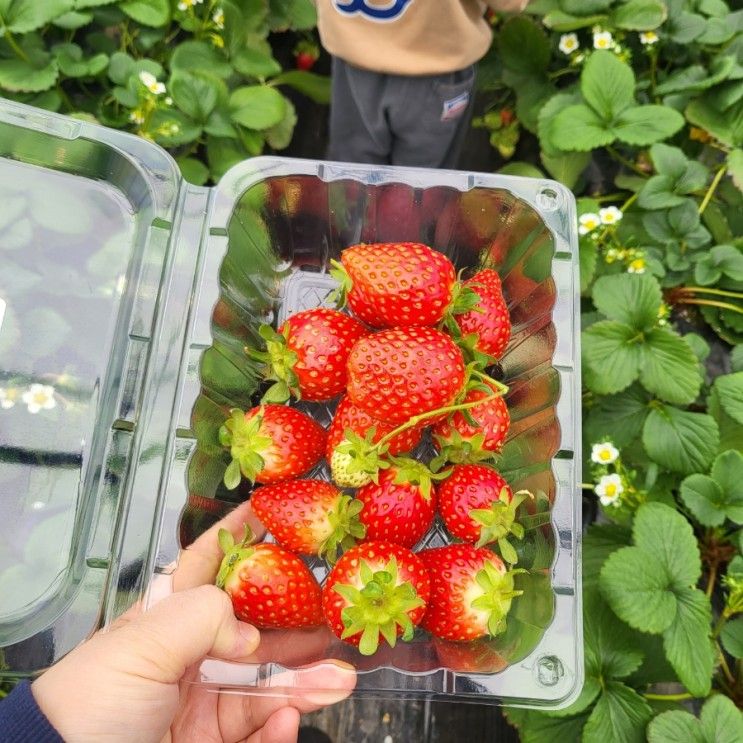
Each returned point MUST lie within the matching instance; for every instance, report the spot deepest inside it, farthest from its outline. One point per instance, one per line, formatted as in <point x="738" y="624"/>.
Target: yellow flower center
<point x="611" y="490"/>
<point x="605" y="455"/>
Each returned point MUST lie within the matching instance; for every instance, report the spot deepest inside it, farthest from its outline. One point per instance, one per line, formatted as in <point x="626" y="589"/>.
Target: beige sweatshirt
<point x="408" y="37"/>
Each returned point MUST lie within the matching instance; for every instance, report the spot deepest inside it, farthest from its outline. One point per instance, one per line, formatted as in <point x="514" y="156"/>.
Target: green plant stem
<point x="724" y="665"/>
<point x="705" y="290"/>
<point x="711" y="579"/>
<point x="669" y="697"/>
<point x="720" y="624"/>
<point x="13" y="44"/>
<point x="712" y="188"/>
<point x="586" y="486"/>
<point x="501" y="390"/>
<point x="623" y="161"/>
<point x="653" y="72"/>
<point x="65" y="98"/>
<point x="631" y="200"/>
<point x="709" y="303"/>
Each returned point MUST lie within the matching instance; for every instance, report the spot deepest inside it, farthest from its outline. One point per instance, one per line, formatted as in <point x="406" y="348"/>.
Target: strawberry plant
<point x="198" y="77"/>
<point x="636" y="106"/>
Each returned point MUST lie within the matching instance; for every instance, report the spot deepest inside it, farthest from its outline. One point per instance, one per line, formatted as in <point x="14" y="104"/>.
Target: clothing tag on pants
<point x="454" y="107"/>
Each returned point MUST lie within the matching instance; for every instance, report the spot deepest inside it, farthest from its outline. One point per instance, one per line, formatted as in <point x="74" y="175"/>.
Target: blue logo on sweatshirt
<point x="390" y="12"/>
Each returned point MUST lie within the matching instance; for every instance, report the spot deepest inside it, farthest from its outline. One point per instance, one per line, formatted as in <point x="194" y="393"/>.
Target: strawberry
<point x="478" y="656"/>
<point x="478" y="506"/>
<point x="306" y="54"/>
<point x="401" y="506"/>
<point x="471" y="592"/>
<point x="375" y="589"/>
<point x="269" y="586"/>
<point x="477" y="432"/>
<point x="489" y="319"/>
<point x="270" y="443"/>
<point x="391" y="285"/>
<point x="309" y="516"/>
<point x="350" y="416"/>
<point x="307" y="357"/>
<point x="400" y="373"/>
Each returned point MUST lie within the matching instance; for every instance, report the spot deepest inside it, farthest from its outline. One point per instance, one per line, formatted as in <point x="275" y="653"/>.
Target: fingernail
<point x="250" y="634"/>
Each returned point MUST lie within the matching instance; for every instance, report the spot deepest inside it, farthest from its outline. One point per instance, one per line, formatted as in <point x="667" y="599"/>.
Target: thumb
<point x="179" y="631"/>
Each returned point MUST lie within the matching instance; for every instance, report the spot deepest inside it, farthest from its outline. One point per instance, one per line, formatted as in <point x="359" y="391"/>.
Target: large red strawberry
<point x="478" y="506"/>
<point x="489" y="319"/>
<point x="400" y="373"/>
<point x="471" y="592"/>
<point x="459" y="440"/>
<point x="376" y="589"/>
<point x="390" y="285"/>
<point x="401" y="506"/>
<point x="307" y="357"/>
<point x="269" y="586"/>
<point x="270" y="443"/>
<point x="309" y="516"/>
<point x="349" y="416"/>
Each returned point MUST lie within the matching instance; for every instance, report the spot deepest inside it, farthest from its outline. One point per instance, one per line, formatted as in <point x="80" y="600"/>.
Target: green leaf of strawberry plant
<point x="631" y="299"/>
<point x="620" y="714"/>
<point x="607" y="85"/>
<point x="195" y="93"/>
<point x="153" y="13"/>
<point x="314" y="86"/>
<point x="719" y="722"/>
<point x="721" y="260"/>
<point x="714" y="498"/>
<point x="523" y="46"/>
<point x="22" y="16"/>
<point x="639" y="15"/>
<point x="664" y="350"/>
<point x="641" y="125"/>
<point x="732" y="637"/>
<point x="257" y="106"/>
<point x="579" y="128"/>
<point x="682" y="441"/>
<point x="651" y="586"/>
<point x="619" y="417"/>
<point x="613" y="352"/>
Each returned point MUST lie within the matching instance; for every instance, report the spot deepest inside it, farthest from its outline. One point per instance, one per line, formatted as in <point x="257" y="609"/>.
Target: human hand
<point x="135" y="681"/>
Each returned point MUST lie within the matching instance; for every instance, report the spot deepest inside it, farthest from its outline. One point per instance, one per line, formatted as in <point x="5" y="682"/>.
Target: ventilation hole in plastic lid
<point x="548" y="199"/>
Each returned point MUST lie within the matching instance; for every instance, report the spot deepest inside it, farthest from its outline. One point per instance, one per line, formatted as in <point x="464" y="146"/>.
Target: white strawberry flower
<point x="637" y="266"/>
<point x="605" y="453"/>
<point x="608" y="489"/>
<point x="218" y="18"/>
<point x="136" y="117"/>
<point x="588" y="223"/>
<point x="568" y="43"/>
<point x="39" y="397"/>
<point x="8" y="397"/>
<point x="186" y="4"/>
<point x="648" y="38"/>
<point x="603" y="40"/>
<point x="610" y="215"/>
<point x="150" y="82"/>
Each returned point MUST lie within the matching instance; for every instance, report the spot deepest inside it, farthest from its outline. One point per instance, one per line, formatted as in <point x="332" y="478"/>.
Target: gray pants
<point x="399" y="120"/>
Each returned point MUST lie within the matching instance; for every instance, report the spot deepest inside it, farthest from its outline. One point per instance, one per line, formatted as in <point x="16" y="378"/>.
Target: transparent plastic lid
<point x="81" y="264"/>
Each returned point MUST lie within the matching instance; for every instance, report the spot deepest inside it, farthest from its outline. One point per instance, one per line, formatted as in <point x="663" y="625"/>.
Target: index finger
<point x="199" y="562"/>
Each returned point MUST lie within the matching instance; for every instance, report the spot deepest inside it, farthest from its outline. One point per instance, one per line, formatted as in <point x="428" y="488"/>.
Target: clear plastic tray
<point x="256" y="248"/>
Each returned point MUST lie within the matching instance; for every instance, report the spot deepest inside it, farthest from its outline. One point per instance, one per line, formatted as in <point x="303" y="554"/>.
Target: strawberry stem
<point x="233" y="552"/>
<point x="499" y="391"/>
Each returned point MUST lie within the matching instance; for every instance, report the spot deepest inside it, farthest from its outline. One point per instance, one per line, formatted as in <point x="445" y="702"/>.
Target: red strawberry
<point x="478" y="656"/>
<point x="396" y="284"/>
<point x="471" y="592"/>
<point x="350" y="416"/>
<point x="400" y="508"/>
<point x="270" y="443"/>
<point x="490" y="318"/>
<point x="461" y="441"/>
<point x="306" y="54"/>
<point x="478" y="506"/>
<point x="309" y="516"/>
<point x="308" y="356"/>
<point x="269" y="586"/>
<point x="375" y="589"/>
<point x="404" y="372"/>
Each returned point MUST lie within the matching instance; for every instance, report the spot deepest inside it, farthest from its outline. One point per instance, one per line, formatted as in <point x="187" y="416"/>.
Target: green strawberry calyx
<point x="497" y="594"/>
<point x="278" y="360"/>
<point x="457" y="449"/>
<point x="345" y="527"/>
<point x="378" y="607"/>
<point x="356" y="461"/>
<point x="498" y="521"/>
<point x="412" y="472"/>
<point x="246" y="442"/>
<point x="234" y="553"/>
<point x="339" y="296"/>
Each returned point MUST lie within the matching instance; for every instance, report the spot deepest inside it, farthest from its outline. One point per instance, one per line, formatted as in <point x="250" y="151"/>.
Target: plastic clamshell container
<point x="157" y="286"/>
